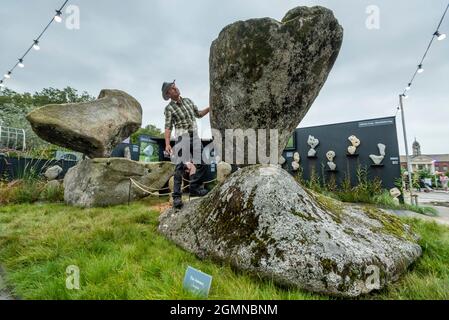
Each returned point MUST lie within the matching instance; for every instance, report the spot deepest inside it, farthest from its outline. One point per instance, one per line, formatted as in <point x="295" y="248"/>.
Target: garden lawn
<point x="121" y="255"/>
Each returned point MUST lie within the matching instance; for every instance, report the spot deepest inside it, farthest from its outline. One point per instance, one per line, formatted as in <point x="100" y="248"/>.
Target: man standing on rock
<point x="181" y="113"/>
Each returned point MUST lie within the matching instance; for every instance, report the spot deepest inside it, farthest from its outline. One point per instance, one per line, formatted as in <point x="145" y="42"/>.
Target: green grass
<point x="386" y="201"/>
<point x="122" y="256"/>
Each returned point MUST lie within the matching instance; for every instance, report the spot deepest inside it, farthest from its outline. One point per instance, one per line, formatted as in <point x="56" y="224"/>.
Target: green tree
<point x="149" y="130"/>
<point x="15" y="106"/>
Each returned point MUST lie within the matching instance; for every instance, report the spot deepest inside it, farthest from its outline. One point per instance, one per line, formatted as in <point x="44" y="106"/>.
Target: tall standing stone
<point x="265" y="74"/>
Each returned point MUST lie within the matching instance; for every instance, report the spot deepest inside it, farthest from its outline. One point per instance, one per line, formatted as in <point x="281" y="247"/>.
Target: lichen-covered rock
<point x="94" y="128"/>
<point x="265" y="74"/>
<point x="105" y="182"/>
<point x="262" y="221"/>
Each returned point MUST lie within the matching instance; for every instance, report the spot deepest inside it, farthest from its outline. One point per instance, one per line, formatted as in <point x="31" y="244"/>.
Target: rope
<point x="142" y="188"/>
<point x="149" y="188"/>
<point x="207" y="182"/>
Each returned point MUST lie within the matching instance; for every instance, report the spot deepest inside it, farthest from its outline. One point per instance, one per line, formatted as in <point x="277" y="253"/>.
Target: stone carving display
<point x="265" y="74"/>
<point x="355" y="144"/>
<point x="330" y="155"/>
<point x="296" y="160"/>
<point x="377" y="159"/>
<point x="296" y="157"/>
<point x="313" y="143"/>
<point x="295" y="166"/>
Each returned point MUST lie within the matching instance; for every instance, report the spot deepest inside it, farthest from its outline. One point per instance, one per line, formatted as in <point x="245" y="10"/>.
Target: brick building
<point x="435" y="163"/>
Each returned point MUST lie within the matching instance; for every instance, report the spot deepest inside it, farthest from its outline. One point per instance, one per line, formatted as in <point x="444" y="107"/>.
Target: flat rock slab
<point x="94" y="128"/>
<point x="265" y="74"/>
<point x="106" y="182"/>
<point x="262" y="221"/>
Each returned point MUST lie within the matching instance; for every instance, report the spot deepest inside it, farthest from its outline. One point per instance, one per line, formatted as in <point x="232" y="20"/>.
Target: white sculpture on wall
<point x="297" y="157"/>
<point x="378" y="159"/>
<point x="355" y="144"/>
<point x="282" y="160"/>
<point x="296" y="160"/>
<point x="331" y="164"/>
<point x="313" y="143"/>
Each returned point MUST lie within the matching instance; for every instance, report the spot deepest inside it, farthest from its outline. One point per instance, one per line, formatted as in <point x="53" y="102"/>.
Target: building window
<point x="445" y="169"/>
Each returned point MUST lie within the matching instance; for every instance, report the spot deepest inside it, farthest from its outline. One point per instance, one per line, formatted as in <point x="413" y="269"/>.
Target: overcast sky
<point x="136" y="45"/>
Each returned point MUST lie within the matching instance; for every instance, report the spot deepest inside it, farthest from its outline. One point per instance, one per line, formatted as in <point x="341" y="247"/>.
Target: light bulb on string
<point x="408" y="87"/>
<point x="440" y="36"/>
<point x="58" y="16"/>
<point x="36" y="45"/>
<point x="8" y="75"/>
<point x="20" y="64"/>
<point x="420" y="69"/>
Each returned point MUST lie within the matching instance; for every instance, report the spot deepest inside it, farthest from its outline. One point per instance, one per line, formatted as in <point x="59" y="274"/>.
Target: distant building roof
<point x="428" y="157"/>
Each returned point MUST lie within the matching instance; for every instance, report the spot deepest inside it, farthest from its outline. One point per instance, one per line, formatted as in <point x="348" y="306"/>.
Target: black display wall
<point x="335" y="137"/>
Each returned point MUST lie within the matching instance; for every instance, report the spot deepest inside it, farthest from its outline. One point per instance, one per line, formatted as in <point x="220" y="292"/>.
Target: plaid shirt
<point x="182" y="116"/>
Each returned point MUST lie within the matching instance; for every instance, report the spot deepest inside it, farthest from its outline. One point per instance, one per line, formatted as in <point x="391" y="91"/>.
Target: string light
<point x="36" y="45"/>
<point x="420" y="69"/>
<point x="440" y="36"/>
<point x="57" y="18"/>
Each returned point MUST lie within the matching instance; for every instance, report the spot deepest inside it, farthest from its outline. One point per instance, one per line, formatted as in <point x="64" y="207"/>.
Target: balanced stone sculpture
<point x="355" y="144"/>
<point x="94" y="128"/>
<point x="265" y="74"/>
<point x="313" y="143"/>
<point x="331" y="164"/>
<point x="377" y="159"/>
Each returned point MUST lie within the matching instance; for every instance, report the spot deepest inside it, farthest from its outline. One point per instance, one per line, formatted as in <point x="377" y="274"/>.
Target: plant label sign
<point x="197" y="282"/>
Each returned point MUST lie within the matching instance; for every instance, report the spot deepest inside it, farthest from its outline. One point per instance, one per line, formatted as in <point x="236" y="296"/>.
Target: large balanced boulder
<point x="262" y="221"/>
<point x="94" y="128"/>
<point x="106" y="182"/>
<point x="265" y="74"/>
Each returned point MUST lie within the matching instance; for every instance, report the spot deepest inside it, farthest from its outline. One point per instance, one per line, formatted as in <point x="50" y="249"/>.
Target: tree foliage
<point x="149" y="130"/>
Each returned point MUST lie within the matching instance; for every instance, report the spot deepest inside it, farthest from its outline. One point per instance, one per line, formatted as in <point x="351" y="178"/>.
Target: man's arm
<point x="168" y="127"/>
<point x="167" y="141"/>
<point x="204" y="112"/>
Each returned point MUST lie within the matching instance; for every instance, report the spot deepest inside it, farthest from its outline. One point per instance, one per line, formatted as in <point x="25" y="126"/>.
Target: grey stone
<point x="262" y="221"/>
<point x="94" y="128"/>
<point x="105" y="182"/>
<point x="53" y="173"/>
<point x="265" y="74"/>
<point x="223" y="171"/>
